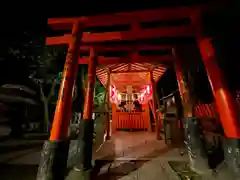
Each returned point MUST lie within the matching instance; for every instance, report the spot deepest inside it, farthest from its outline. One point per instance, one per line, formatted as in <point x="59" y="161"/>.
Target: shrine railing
<point x="208" y="110"/>
<point x="130" y="120"/>
<point x="205" y="110"/>
<point x="208" y="115"/>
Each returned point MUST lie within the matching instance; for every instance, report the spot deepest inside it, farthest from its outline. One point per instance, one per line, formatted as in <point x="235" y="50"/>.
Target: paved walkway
<point x="19" y="159"/>
<point x="136" y="155"/>
<point x="127" y="156"/>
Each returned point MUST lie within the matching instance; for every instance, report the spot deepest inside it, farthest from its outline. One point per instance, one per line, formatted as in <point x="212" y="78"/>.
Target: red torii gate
<point x="58" y="142"/>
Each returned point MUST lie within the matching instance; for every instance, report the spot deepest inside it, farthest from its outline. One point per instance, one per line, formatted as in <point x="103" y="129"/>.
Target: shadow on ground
<point x="18" y="172"/>
<point x="17" y="147"/>
<point x="11" y="149"/>
<point x="107" y="168"/>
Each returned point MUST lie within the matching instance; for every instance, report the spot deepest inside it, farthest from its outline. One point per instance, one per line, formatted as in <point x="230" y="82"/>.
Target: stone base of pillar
<point x="194" y="140"/>
<point x="53" y="162"/>
<point x="77" y="174"/>
<point x="232" y="156"/>
<point x="85" y="143"/>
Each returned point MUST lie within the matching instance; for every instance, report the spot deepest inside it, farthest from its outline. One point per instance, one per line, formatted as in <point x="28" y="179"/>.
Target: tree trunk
<point x="46" y="117"/>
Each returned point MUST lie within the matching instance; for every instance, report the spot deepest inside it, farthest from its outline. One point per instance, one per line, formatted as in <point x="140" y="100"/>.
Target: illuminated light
<point x="148" y="89"/>
<point x="119" y="97"/>
<point x="141" y="98"/>
<point x="112" y="90"/>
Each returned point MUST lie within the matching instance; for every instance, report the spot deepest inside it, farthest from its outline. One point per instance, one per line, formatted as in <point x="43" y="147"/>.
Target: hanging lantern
<point x="112" y="91"/>
<point x="148" y="89"/>
<point x="112" y="94"/>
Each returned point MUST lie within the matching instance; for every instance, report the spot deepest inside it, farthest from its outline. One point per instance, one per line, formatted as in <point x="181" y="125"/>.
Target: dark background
<point x="32" y="17"/>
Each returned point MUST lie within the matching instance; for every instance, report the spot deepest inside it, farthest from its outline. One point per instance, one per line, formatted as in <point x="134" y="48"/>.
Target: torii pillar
<point x="83" y="166"/>
<point x="225" y="102"/>
<point x="194" y="140"/>
<point x="55" y="150"/>
<point x="155" y="106"/>
<point x="107" y="109"/>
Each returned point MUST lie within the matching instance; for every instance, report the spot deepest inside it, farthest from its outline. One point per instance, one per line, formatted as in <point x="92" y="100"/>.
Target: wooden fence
<point x="130" y="120"/>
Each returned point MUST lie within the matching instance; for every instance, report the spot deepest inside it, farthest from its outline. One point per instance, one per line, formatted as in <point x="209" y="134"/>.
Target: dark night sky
<point x="29" y="14"/>
<point x="106" y="6"/>
<point x="33" y="17"/>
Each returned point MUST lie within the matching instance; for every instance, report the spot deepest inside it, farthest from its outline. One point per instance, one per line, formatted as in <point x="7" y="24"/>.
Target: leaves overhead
<point x="32" y="58"/>
<point x="41" y="61"/>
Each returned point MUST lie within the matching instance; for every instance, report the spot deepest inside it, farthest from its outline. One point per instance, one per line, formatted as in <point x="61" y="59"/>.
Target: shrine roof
<point x="118" y="70"/>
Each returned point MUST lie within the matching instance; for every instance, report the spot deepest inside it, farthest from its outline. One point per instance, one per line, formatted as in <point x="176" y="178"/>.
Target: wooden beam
<point x="150" y="33"/>
<point x="134" y="83"/>
<point x="126" y="18"/>
<point x="127" y="59"/>
<point x="131" y="71"/>
<point x="128" y="47"/>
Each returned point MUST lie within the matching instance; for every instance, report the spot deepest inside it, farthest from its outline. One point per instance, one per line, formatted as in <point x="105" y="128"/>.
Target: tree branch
<point x="43" y="98"/>
<point x="52" y="89"/>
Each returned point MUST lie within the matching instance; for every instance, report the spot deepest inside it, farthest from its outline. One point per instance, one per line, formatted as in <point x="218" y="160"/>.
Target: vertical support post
<point x="225" y="102"/>
<point x="55" y="150"/>
<point x="154" y="97"/>
<point x="85" y="140"/>
<point x="193" y="134"/>
<point x="184" y="90"/>
<point x="107" y="121"/>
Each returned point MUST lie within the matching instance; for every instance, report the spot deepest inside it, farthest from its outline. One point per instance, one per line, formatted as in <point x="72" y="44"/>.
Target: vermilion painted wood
<point x="126" y="59"/>
<point x="127" y="17"/>
<point x="205" y="110"/>
<point x="225" y="102"/>
<point x="129" y="47"/>
<point x="157" y="70"/>
<point x="89" y="90"/>
<point x="148" y="33"/>
<point x="133" y="120"/>
<point x="63" y="109"/>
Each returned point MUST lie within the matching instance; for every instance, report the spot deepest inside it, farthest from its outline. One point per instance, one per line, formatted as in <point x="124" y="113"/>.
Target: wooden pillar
<point x="224" y="99"/>
<point x="107" y="108"/>
<point x="55" y="150"/>
<point x="86" y="133"/>
<point x="225" y="102"/>
<point x="184" y="91"/>
<point x="83" y="166"/>
<point x="155" y="106"/>
<point x="195" y="143"/>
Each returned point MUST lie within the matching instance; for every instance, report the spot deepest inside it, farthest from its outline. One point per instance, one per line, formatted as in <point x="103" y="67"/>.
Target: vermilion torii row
<point x="224" y="100"/>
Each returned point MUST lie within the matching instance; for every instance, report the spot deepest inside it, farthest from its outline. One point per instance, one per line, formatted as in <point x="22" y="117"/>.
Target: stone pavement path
<point x="139" y="156"/>
<point x="19" y="159"/>
<point x="127" y="156"/>
<point x="136" y="155"/>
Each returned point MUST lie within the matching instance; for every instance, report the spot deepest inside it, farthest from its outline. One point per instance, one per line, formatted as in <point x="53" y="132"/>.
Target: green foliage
<point x="44" y="65"/>
<point x="48" y="65"/>
<point x="99" y="93"/>
<point x="40" y="63"/>
<point x="38" y="60"/>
